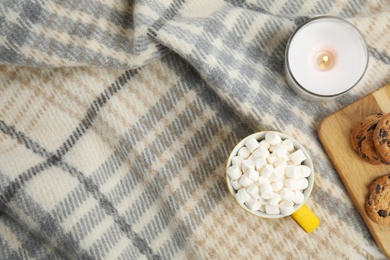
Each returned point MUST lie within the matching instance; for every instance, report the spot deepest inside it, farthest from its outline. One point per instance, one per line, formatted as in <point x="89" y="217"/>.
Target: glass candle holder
<point x="325" y="58"/>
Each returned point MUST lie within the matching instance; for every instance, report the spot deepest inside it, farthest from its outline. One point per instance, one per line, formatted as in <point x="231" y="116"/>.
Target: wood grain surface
<point x="356" y="174"/>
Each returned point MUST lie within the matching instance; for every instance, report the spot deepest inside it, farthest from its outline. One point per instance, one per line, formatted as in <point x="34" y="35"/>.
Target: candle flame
<point x="324" y="60"/>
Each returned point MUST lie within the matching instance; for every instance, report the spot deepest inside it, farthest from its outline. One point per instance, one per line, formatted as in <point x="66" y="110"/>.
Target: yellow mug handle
<point x="306" y="219"/>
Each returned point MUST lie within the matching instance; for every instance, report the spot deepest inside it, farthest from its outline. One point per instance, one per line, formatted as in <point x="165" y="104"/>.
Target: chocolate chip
<point x="377" y="188"/>
<point x="372" y="127"/>
<point x="361" y="140"/>
<point x="382" y="133"/>
<point x="382" y="213"/>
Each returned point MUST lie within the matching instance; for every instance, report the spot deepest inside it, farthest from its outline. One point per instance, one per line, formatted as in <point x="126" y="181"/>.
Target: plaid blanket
<point x="117" y="117"/>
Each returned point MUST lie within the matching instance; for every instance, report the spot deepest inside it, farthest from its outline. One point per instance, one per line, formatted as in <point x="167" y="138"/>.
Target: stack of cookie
<point x="370" y="138"/>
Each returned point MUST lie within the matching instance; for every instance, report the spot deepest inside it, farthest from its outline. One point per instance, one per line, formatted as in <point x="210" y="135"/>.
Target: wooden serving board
<point x="355" y="173"/>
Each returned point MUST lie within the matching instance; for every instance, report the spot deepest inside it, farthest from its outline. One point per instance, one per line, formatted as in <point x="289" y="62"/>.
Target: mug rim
<point x="297" y="145"/>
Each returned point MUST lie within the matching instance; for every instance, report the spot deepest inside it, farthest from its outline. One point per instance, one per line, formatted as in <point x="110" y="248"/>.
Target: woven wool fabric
<point x="117" y="118"/>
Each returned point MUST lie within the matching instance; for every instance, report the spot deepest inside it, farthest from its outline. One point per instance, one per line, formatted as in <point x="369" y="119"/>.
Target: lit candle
<point x="325" y="57"/>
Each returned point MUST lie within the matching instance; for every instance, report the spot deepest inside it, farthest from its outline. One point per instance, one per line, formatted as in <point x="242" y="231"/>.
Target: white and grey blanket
<point x="117" y="117"/>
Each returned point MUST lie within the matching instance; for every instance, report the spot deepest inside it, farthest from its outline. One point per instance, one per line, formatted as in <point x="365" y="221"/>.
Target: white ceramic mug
<point x="301" y="214"/>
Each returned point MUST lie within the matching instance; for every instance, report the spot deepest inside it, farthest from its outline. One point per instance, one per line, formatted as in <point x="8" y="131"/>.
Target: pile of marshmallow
<point x="269" y="176"/>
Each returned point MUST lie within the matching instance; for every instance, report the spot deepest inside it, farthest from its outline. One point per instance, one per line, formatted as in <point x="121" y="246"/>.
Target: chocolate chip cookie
<point x="378" y="201"/>
<point x="381" y="137"/>
<point x="359" y="128"/>
<point x="362" y="139"/>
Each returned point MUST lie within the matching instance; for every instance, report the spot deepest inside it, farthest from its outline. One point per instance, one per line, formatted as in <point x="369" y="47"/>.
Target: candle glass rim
<point x="287" y="63"/>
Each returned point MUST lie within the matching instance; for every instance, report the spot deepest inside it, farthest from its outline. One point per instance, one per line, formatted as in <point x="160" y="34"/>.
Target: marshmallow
<point x="247" y="165"/>
<point x="261" y="152"/>
<point x="245" y="181"/>
<point x="262" y="208"/>
<point x="253" y="174"/>
<point x="297" y="157"/>
<point x="260" y="163"/>
<point x="275" y="200"/>
<point x="276" y="176"/>
<point x="236" y="185"/>
<point x="272" y="158"/>
<point x="286" y="207"/>
<point x="253" y="204"/>
<point x="265" y="144"/>
<point x="267" y="171"/>
<point x="273" y="138"/>
<point x="254" y="191"/>
<point x="262" y="180"/>
<point x="242" y="196"/>
<point x="291" y="184"/>
<point x="237" y="160"/>
<point x="277" y="185"/>
<point x="243" y="152"/>
<point x="272" y="147"/>
<point x="278" y="172"/>
<point x="289" y="162"/>
<point x="280" y="162"/>
<point x="272" y="210"/>
<point x="252" y="144"/>
<point x="280" y="151"/>
<point x="289" y="145"/>
<point x="303" y="183"/>
<point x="305" y="171"/>
<point x="262" y="201"/>
<point x="293" y="172"/>
<point x="234" y="172"/>
<point x="266" y="191"/>
<point x="298" y="197"/>
<point x="287" y="194"/>
<point x="280" y="167"/>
